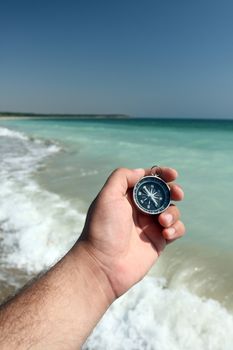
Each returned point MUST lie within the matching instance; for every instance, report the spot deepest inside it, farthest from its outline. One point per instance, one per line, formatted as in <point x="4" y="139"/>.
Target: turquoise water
<point x="62" y="167"/>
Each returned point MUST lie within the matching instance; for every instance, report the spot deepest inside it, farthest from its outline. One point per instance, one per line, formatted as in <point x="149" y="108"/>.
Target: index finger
<point x="122" y="179"/>
<point x="167" y="174"/>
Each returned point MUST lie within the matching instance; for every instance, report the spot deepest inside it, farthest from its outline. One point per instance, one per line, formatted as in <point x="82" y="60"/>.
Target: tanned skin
<point x="117" y="247"/>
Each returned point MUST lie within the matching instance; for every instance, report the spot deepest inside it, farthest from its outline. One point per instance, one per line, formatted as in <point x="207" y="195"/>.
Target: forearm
<point x="60" y="309"/>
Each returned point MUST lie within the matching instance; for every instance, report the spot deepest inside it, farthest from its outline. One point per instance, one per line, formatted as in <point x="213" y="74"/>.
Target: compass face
<point x="151" y="195"/>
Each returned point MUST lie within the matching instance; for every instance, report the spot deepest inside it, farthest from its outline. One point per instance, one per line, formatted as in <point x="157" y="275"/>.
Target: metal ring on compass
<point x="151" y="195"/>
<point x="157" y="172"/>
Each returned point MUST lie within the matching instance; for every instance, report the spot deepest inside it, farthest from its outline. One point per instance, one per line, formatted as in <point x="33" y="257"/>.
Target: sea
<point x="52" y="169"/>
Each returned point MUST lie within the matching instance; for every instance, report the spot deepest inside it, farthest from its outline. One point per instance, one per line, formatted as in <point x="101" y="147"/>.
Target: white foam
<point x="12" y="133"/>
<point x="152" y="317"/>
<point x="38" y="227"/>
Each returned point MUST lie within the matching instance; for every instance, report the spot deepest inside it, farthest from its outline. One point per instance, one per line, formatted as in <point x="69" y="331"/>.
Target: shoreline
<point x="62" y="116"/>
<point x="52" y="116"/>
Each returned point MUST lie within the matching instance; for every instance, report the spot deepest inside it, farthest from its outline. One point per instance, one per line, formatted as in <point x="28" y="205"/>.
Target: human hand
<point x="120" y="239"/>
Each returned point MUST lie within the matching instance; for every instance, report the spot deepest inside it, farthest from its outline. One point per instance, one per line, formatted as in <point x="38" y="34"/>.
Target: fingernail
<point x="181" y="192"/>
<point x="168" y="219"/>
<point x="177" y="174"/>
<point x="139" y="169"/>
<point x="171" y="232"/>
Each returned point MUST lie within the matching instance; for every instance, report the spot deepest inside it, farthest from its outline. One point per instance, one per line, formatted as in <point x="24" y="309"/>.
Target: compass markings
<point x="150" y="195"/>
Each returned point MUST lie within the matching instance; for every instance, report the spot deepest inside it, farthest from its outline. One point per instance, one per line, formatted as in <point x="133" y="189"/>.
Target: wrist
<point x="89" y="269"/>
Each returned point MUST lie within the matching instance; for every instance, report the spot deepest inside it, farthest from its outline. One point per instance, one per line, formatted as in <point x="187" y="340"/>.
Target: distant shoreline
<point x="9" y="115"/>
<point x="36" y="116"/>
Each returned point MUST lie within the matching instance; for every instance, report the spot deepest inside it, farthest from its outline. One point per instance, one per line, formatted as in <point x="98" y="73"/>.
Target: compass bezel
<point x="163" y="184"/>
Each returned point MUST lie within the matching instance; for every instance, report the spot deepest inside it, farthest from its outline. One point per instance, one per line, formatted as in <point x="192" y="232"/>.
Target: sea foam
<point x="37" y="226"/>
<point x="12" y="133"/>
<point x="153" y="317"/>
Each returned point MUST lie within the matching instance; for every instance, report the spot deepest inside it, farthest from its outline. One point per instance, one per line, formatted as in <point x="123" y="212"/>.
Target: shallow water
<point x="52" y="169"/>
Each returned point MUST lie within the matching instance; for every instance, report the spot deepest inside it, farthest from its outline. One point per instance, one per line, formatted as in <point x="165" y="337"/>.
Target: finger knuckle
<point x="175" y="211"/>
<point x="184" y="229"/>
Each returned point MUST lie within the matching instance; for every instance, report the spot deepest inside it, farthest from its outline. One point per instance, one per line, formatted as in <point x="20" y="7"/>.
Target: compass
<point x="151" y="195"/>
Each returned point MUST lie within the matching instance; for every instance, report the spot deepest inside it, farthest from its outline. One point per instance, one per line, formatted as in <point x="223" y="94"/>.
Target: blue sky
<point x="145" y="58"/>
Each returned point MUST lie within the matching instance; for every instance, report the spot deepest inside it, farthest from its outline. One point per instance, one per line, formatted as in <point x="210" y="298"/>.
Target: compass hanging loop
<point x="156" y="170"/>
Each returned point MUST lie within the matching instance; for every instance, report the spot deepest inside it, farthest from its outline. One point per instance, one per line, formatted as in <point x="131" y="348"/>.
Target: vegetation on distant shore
<point x="57" y="115"/>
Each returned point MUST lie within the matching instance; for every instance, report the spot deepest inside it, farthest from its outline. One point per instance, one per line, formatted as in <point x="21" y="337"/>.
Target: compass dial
<point x="151" y="195"/>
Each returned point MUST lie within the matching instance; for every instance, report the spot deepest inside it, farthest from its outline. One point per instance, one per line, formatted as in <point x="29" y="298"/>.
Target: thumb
<point x="122" y="179"/>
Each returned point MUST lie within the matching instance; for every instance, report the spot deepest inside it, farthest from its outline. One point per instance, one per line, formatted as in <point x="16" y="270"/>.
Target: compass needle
<point x="156" y="203"/>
